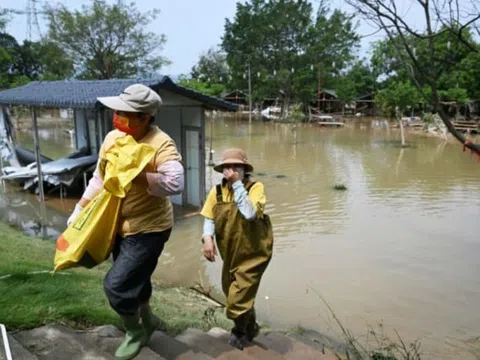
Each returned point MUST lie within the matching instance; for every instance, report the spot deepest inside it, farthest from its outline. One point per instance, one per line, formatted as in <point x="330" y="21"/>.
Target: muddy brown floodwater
<point x="400" y="246"/>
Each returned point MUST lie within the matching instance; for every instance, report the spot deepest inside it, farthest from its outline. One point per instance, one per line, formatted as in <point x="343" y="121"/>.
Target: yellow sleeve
<point x="207" y="210"/>
<point x="101" y="163"/>
<point x="167" y="151"/>
<point x="258" y="198"/>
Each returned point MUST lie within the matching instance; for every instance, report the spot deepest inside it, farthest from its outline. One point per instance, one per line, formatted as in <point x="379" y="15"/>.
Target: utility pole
<point x="39" y="170"/>
<point x="319" y="89"/>
<point x="210" y="159"/>
<point x="249" y="94"/>
<point x="32" y="17"/>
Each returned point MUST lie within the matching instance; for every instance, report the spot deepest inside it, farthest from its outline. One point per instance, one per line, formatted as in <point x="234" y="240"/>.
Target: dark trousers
<point x="128" y="284"/>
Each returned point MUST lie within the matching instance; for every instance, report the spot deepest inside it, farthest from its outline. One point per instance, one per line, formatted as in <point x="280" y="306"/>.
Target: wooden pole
<point x="319" y="90"/>
<point x="210" y="157"/>
<point x="1" y="165"/>
<point x="249" y="94"/>
<point x="2" y="143"/>
<point x="39" y="166"/>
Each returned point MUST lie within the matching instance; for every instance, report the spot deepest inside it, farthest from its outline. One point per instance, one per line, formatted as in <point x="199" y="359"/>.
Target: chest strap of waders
<point x="250" y="186"/>
<point x="219" y="194"/>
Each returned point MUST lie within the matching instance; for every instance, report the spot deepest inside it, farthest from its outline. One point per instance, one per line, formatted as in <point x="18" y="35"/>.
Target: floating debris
<point x="260" y="174"/>
<point x="394" y="144"/>
<point x="340" y="187"/>
<point x="280" y="176"/>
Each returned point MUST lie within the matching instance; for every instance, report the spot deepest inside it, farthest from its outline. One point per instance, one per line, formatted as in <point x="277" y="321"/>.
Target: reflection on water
<point x="55" y="143"/>
<point x="400" y="245"/>
<point x="22" y="210"/>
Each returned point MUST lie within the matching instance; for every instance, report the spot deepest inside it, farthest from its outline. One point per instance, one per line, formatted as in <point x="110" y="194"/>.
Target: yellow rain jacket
<point x="245" y="246"/>
<point x="89" y="239"/>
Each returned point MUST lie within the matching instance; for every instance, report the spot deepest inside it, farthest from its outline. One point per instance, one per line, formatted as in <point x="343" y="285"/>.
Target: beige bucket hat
<point x="234" y="156"/>
<point x="135" y="98"/>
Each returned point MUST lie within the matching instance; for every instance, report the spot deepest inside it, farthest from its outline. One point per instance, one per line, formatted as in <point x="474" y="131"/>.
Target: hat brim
<point x="219" y="167"/>
<point x="115" y="103"/>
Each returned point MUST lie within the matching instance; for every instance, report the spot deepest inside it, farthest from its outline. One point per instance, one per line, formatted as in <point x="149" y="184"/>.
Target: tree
<point x="56" y="64"/>
<point x="396" y="99"/>
<point x="27" y="60"/>
<point x="107" y="41"/>
<point x="286" y="46"/>
<point x="3" y="19"/>
<point x="20" y="64"/>
<point x="346" y="90"/>
<point x="43" y="60"/>
<point x="8" y="53"/>
<point x="40" y="61"/>
<point x="270" y="37"/>
<point x="213" y="89"/>
<point x="333" y="47"/>
<point x="358" y="80"/>
<point x="419" y="47"/>
<point x="8" y="46"/>
<point x="468" y="75"/>
<point x="459" y="84"/>
<point x="211" y="67"/>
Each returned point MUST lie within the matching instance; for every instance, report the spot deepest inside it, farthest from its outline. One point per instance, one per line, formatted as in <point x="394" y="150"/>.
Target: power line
<point x="32" y="17"/>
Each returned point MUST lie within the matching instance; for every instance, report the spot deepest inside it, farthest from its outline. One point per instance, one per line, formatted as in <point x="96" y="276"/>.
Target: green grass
<point x="75" y="297"/>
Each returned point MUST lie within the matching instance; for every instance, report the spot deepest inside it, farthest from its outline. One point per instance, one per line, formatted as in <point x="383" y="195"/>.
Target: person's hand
<point x="141" y="180"/>
<point x="209" y="249"/>
<point x="78" y="209"/>
<point x="231" y="174"/>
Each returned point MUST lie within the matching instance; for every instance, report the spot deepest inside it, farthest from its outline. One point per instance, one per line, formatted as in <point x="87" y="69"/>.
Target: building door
<point x="191" y="141"/>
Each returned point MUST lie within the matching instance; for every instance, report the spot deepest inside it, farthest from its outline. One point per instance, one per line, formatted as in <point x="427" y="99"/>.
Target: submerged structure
<point x="182" y="116"/>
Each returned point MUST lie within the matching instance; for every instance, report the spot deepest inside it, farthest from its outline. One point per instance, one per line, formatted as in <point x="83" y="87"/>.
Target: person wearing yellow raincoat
<point x="234" y="215"/>
<point x="146" y="214"/>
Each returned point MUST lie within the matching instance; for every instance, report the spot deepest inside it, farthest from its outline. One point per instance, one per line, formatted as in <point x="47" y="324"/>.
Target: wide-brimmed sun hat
<point x="234" y="156"/>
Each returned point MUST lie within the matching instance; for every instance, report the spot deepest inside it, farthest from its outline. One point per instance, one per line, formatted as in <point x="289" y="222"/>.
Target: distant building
<point x="328" y="102"/>
<point x="365" y="105"/>
<point x="236" y="97"/>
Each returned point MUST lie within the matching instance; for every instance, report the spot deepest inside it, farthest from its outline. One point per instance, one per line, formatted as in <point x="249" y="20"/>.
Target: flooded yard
<point x="400" y="246"/>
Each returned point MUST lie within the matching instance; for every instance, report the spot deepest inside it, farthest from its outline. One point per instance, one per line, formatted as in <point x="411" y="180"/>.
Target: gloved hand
<point x="78" y="209"/>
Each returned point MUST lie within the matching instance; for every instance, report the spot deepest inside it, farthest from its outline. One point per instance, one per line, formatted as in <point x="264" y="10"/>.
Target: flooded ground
<point x="400" y="246"/>
<point x="22" y="209"/>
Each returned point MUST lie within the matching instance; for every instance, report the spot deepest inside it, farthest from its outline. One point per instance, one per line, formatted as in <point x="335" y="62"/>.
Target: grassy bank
<point x="31" y="296"/>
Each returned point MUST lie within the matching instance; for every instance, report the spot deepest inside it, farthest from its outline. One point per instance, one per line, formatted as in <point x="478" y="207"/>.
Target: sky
<point x="191" y="26"/>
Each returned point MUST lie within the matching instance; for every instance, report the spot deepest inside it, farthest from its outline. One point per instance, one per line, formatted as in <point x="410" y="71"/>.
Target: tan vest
<point x="142" y="212"/>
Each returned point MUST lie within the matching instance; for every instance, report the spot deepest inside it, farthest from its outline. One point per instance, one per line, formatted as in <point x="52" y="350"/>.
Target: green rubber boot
<point x="135" y="338"/>
<point x="150" y="321"/>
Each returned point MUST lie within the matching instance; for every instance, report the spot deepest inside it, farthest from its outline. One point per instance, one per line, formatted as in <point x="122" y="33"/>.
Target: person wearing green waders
<point x="234" y="216"/>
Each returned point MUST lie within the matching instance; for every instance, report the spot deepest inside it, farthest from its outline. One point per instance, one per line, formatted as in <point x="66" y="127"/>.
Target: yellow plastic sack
<point x="89" y="239"/>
